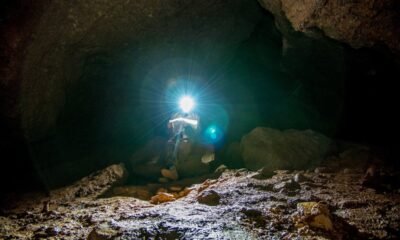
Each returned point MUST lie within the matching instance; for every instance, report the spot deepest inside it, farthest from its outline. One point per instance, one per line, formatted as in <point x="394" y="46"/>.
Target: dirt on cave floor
<point x="234" y="204"/>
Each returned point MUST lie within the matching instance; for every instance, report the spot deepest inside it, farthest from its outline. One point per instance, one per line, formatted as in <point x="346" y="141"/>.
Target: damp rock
<point x="140" y="192"/>
<point x="351" y="203"/>
<point x="94" y="185"/>
<point x="209" y="197"/>
<point x="53" y="231"/>
<point x="102" y="233"/>
<point x="255" y="216"/>
<point x="289" y="185"/>
<point x="46" y="232"/>
<point x="222" y="168"/>
<point x="299" y="178"/>
<point x="185" y="192"/>
<point x="162" y="197"/>
<point x="313" y="214"/>
<point x="175" y="188"/>
<point x="263" y="173"/>
<point x="322" y="170"/>
<point x="348" y="171"/>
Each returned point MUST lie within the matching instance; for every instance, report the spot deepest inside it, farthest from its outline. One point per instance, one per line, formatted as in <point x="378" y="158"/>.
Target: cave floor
<point x="237" y="204"/>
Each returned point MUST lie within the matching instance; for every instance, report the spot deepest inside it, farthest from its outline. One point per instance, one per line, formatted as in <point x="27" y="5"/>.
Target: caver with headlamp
<point x="184" y="128"/>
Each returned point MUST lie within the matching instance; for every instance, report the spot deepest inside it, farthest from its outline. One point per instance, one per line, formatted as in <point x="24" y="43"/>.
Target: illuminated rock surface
<point x="358" y="23"/>
<point x="246" y="208"/>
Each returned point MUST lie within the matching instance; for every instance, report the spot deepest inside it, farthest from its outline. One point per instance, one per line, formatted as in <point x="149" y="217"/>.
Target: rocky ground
<point x="323" y="203"/>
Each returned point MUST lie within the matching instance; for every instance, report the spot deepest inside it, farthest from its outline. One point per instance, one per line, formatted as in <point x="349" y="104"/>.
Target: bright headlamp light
<point x="186" y="103"/>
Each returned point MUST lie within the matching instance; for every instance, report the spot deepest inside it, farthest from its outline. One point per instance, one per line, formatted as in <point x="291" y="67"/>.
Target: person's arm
<point x="192" y="122"/>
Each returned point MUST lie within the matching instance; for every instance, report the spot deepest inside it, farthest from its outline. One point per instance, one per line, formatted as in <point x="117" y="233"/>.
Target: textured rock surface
<point x="94" y="185"/>
<point x="290" y="149"/>
<point x="329" y="206"/>
<point x="209" y="197"/>
<point x="358" y="23"/>
<point x="103" y="233"/>
<point x="314" y="214"/>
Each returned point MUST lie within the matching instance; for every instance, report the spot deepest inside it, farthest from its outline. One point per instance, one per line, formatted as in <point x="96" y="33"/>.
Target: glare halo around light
<point x="186" y="103"/>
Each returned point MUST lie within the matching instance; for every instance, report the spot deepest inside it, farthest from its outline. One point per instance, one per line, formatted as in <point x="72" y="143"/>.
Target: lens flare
<point x="213" y="134"/>
<point x="186" y="104"/>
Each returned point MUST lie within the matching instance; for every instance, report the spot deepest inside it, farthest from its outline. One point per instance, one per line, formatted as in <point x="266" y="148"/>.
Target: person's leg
<point x="170" y="171"/>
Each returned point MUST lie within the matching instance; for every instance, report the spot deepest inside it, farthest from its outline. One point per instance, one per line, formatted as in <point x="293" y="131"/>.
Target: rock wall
<point x="70" y="34"/>
<point x="357" y="23"/>
<point x="273" y="149"/>
<point x="74" y="72"/>
<point x="78" y="66"/>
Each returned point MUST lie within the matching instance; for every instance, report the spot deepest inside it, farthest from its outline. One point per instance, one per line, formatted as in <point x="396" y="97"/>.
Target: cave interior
<point x="291" y="99"/>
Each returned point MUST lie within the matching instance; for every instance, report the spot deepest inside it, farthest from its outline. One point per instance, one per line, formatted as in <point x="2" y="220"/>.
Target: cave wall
<point x="56" y="57"/>
<point x="86" y="61"/>
<point x="370" y="33"/>
<point x="357" y="23"/>
<point x="17" y="21"/>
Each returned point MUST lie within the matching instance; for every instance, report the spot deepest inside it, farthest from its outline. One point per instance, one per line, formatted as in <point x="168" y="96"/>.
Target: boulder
<point x="162" y="197"/>
<point x="313" y="214"/>
<point x="209" y="197"/>
<point x="94" y="185"/>
<point x="289" y="149"/>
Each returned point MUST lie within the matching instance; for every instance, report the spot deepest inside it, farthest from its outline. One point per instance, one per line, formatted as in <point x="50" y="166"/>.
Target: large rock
<point x="290" y="149"/>
<point x="358" y="23"/>
<point x="209" y="197"/>
<point x="93" y="185"/>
